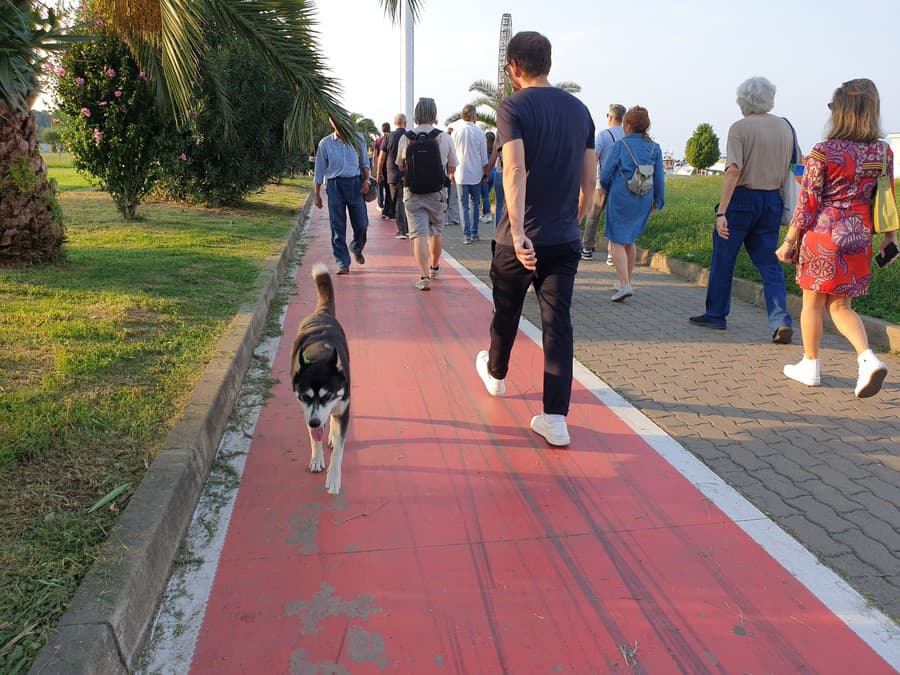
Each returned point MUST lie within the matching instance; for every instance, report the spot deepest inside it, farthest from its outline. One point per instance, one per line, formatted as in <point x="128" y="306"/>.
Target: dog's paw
<point x="317" y="460"/>
<point x="333" y="482"/>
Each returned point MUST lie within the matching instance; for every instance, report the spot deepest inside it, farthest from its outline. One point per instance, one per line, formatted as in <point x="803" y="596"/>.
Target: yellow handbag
<point x="884" y="208"/>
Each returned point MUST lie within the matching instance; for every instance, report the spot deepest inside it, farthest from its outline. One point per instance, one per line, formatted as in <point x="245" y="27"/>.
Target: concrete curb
<point x="881" y="333"/>
<point x="104" y="627"/>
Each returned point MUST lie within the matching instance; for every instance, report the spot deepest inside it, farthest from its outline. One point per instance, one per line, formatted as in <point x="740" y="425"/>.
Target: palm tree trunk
<point x="30" y="220"/>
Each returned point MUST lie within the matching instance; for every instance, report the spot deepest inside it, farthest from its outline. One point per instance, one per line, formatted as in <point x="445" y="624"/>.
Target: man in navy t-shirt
<point x="549" y="167"/>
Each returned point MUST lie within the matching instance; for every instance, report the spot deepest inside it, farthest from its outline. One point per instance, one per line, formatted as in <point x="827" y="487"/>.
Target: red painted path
<point x="462" y="543"/>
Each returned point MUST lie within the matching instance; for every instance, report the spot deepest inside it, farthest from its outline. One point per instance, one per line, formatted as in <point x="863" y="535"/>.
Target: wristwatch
<point x="720" y="215"/>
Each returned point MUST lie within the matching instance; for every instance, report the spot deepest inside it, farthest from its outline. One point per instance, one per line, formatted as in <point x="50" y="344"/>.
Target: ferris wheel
<point x="504" y="86"/>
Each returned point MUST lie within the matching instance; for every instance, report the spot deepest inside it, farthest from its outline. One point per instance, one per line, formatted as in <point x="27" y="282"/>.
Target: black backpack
<point x="424" y="170"/>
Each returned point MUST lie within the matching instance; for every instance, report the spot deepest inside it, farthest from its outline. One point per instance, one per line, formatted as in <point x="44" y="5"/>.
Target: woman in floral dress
<point x="831" y="231"/>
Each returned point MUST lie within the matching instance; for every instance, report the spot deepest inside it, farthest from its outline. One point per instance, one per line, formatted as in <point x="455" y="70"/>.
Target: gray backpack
<point x="641" y="181"/>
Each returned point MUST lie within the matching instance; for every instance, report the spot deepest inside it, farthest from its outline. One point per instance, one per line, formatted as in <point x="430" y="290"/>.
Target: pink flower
<point x="182" y="157"/>
<point x="98" y="135"/>
<point x="101" y="103"/>
<point x="118" y="93"/>
<point x="48" y="68"/>
<point x="85" y="112"/>
<point x="98" y="22"/>
<point x="61" y="72"/>
<point x="142" y="76"/>
<point x="110" y="72"/>
<point x="55" y="120"/>
<point x="79" y="81"/>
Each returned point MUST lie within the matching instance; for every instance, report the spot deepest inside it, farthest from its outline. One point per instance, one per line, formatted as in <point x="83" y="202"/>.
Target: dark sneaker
<point x="343" y="269"/>
<point x="705" y="322"/>
<point x="587" y="254"/>
<point x="783" y="335"/>
<point x="468" y="240"/>
<point x="360" y="258"/>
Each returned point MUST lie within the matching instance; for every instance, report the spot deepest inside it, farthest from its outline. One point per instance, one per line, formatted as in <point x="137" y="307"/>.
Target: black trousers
<point x="554" y="282"/>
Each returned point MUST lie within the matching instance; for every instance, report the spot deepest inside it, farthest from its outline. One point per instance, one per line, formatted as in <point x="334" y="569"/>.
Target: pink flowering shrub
<point x="116" y="132"/>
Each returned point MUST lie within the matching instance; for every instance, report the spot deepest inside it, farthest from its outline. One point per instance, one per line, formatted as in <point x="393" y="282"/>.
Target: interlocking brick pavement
<point x="822" y="464"/>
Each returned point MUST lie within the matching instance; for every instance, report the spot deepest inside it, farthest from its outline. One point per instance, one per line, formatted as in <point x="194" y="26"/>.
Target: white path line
<point x="868" y="622"/>
<point x="173" y="636"/>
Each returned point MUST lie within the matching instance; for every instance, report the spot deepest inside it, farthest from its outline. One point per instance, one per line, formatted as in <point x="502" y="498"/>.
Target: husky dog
<point x="320" y="373"/>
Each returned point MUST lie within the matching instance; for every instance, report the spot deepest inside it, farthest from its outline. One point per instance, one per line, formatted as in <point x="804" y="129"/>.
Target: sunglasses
<point x="506" y="69"/>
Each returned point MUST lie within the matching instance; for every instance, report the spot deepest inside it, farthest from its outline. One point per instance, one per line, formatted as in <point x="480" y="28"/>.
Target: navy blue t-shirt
<point x="556" y="129"/>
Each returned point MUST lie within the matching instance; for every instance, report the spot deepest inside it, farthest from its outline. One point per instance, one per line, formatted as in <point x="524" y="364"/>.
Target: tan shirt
<point x="760" y="146"/>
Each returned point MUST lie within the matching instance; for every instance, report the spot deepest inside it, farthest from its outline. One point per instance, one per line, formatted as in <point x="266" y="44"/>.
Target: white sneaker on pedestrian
<point x="872" y="372"/>
<point x="805" y="372"/>
<point x="424" y="284"/>
<point x="552" y="427"/>
<point x="622" y="293"/>
<point x="494" y="386"/>
<point x="487" y="218"/>
<point x="609" y="260"/>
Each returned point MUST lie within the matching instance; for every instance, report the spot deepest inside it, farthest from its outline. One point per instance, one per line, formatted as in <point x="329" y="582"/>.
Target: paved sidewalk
<point x="822" y="464"/>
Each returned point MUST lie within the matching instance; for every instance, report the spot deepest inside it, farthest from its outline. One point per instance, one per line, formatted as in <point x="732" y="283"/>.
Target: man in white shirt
<point x="471" y="150"/>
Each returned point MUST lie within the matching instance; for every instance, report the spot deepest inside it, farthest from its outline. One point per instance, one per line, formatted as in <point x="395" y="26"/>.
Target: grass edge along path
<point x="100" y="353"/>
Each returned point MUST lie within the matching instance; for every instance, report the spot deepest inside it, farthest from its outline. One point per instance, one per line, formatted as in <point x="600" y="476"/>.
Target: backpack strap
<point x="434" y="133"/>
<point x="611" y="135"/>
<point x="631" y="154"/>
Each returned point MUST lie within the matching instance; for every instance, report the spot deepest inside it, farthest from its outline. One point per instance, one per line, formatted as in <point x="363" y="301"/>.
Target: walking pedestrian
<point x="633" y="194"/>
<point x="453" y="198"/>
<point x="345" y="166"/>
<point x="471" y="150"/>
<point x="379" y="168"/>
<point x="549" y="163"/>
<point x="428" y="160"/>
<point x="394" y="177"/>
<point x="831" y="231"/>
<point x="602" y="144"/>
<point x="758" y="154"/>
<point x="487" y="183"/>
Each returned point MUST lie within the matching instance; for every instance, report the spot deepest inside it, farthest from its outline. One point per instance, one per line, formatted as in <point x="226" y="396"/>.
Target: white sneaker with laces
<point x="805" y="372"/>
<point x="552" y="427"/>
<point x="609" y="260"/>
<point x="494" y="386"/>
<point x="872" y="372"/>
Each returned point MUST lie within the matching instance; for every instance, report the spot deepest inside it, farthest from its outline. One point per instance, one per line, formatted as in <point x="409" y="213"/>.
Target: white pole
<point x="406" y="20"/>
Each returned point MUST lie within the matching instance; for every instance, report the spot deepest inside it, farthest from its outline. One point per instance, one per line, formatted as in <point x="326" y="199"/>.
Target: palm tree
<point x="366" y="127"/>
<point x="169" y="40"/>
<point x="30" y="222"/>
<point x="491" y="97"/>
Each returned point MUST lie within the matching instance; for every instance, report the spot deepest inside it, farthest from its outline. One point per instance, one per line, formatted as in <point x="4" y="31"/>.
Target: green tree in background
<point x="702" y="149"/>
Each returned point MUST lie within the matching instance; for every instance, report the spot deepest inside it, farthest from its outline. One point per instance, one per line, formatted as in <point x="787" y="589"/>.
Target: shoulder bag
<point x="884" y="207"/>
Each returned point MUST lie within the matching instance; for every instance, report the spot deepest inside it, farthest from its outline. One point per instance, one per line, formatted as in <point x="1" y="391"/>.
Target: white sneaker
<point x="622" y="293"/>
<point x="487" y="218"/>
<point x="805" y="372"/>
<point x="609" y="260"/>
<point x="552" y="427"/>
<point x="872" y="372"/>
<point x="424" y="284"/>
<point x="494" y="386"/>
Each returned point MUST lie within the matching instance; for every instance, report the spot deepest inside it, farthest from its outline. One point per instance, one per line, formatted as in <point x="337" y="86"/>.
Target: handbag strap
<point x="631" y="154"/>
<point x="884" y="161"/>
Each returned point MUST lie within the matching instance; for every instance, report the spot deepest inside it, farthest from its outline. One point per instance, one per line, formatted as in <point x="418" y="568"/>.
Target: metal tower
<point x="503" y="83"/>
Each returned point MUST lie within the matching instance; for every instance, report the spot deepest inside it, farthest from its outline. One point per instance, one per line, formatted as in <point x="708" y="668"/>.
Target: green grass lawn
<point x="98" y="354"/>
<point x="683" y="229"/>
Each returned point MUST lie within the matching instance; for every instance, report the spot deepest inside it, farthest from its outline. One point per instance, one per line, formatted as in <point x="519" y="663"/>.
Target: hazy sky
<point x="681" y="60"/>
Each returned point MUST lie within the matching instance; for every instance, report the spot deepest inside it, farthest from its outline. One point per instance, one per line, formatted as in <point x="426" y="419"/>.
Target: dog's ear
<point x="336" y="360"/>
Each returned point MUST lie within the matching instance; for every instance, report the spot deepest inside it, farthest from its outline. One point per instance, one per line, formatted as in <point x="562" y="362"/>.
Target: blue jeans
<point x="498" y="198"/>
<point x="470" y="215"/>
<point x="754" y="218"/>
<point x="453" y="204"/>
<point x="486" y="193"/>
<point x="343" y="196"/>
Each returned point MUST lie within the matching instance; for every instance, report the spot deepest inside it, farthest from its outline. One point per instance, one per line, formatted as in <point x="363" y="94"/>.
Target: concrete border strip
<point x="104" y="627"/>
<point x="880" y="633"/>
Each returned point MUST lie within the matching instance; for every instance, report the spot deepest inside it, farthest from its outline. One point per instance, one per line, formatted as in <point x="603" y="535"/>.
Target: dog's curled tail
<point x="324" y="287"/>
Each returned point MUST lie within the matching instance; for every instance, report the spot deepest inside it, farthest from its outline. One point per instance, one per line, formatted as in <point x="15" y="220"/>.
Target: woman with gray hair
<point x="749" y="212"/>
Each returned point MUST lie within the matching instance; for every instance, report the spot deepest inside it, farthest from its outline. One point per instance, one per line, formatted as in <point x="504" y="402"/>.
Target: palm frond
<point x="491" y="103"/>
<point x="487" y="119"/>
<point x="485" y="88"/>
<point x="571" y="87"/>
<point x="29" y="33"/>
<point x="392" y="8"/>
<point x="282" y="33"/>
<point x="455" y="117"/>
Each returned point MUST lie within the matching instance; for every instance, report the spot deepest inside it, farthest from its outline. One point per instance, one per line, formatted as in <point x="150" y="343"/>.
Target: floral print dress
<point x="834" y="216"/>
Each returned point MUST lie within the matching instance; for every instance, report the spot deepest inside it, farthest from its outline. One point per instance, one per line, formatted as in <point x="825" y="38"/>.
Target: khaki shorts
<point x="425" y="213"/>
